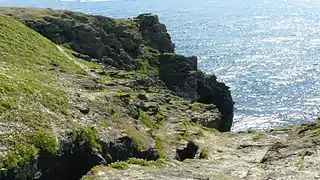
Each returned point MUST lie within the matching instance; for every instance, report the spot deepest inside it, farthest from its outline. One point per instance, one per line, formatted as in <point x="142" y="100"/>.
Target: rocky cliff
<point x="92" y="97"/>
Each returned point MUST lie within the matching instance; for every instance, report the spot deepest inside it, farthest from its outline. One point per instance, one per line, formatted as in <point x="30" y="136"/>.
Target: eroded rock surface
<point x="182" y="76"/>
<point x="280" y="154"/>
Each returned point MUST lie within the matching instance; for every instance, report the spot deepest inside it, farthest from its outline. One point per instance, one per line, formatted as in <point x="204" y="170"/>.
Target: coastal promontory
<point x="91" y="97"/>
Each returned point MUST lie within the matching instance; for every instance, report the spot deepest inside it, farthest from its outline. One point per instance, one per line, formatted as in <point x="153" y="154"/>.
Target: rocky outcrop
<point x="182" y="76"/>
<point x="211" y="91"/>
<point x="179" y="74"/>
<point x="113" y="42"/>
<point x="154" y="33"/>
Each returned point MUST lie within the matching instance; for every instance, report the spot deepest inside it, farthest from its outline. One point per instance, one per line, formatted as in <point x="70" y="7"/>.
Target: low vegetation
<point x="26" y="146"/>
<point x="125" y="164"/>
<point x="203" y="153"/>
<point x="256" y="137"/>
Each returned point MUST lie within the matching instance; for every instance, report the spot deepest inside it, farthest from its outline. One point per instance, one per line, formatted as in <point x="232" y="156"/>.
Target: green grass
<point x="29" y="65"/>
<point x="304" y="154"/>
<point x="256" y="137"/>
<point x="139" y="138"/>
<point x="143" y="162"/>
<point x="88" y="135"/>
<point x="24" y="146"/>
<point x="147" y="120"/>
<point x="32" y="94"/>
<point x="185" y="133"/>
<point x="160" y="145"/>
<point x="198" y="106"/>
<point x="122" y="165"/>
<point x="119" y="165"/>
<point x="204" y="153"/>
<point x="23" y="47"/>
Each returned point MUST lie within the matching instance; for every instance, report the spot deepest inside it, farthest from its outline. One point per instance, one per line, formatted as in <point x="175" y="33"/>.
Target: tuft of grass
<point x="125" y="97"/>
<point x="203" y="153"/>
<point x="144" y="67"/>
<point x="139" y="138"/>
<point x="123" y="165"/>
<point x="147" y="120"/>
<point x="143" y="162"/>
<point x="304" y="154"/>
<point x="256" y="137"/>
<point x="211" y="130"/>
<point x="160" y="146"/>
<point x="198" y="106"/>
<point x="104" y="123"/>
<point x="185" y="133"/>
<point x="119" y="165"/>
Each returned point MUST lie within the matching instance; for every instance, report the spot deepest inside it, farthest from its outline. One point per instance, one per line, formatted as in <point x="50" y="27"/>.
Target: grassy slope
<point x="30" y="97"/>
<point x="26" y="59"/>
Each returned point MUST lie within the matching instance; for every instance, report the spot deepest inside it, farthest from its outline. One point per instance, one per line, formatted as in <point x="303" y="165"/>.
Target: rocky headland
<point x="91" y="97"/>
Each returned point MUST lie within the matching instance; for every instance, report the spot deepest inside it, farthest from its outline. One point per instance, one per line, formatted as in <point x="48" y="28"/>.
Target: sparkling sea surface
<point x="267" y="51"/>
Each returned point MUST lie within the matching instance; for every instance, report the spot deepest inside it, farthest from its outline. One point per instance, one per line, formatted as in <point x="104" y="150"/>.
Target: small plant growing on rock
<point x="256" y="137"/>
<point x="88" y="135"/>
<point x="119" y="165"/>
<point x="203" y="153"/>
<point x="146" y="120"/>
<point x="142" y="162"/>
<point x="198" y="106"/>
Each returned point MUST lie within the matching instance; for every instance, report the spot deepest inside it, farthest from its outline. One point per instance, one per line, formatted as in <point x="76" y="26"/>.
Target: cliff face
<point x="182" y="76"/>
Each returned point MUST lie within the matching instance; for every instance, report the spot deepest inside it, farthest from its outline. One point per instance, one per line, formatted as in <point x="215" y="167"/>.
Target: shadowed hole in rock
<point x="77" y="159"/>
<point x="188" y="152"/>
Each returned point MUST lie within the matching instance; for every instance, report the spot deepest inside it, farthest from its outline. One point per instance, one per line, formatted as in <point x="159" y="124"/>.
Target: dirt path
<point x="83" y="66"/>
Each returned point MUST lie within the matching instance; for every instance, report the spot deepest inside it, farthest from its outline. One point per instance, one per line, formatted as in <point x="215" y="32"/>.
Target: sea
<point x="267" y="51"/>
